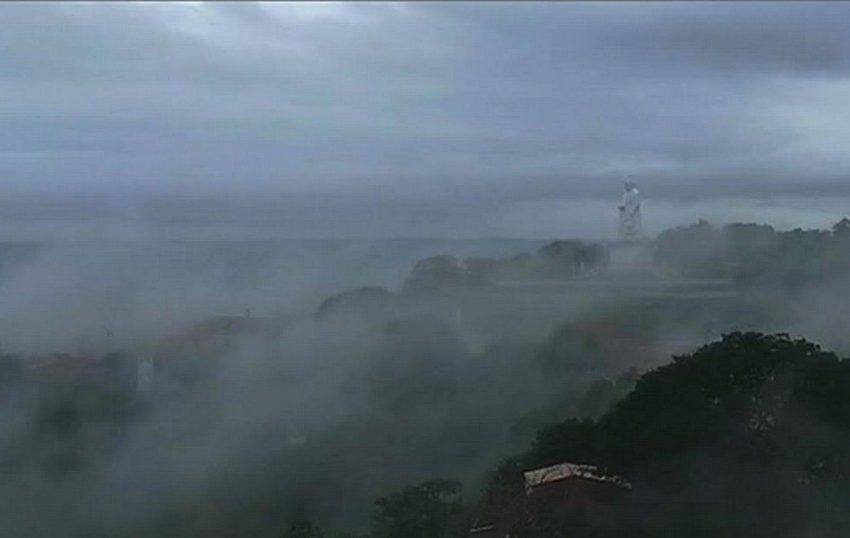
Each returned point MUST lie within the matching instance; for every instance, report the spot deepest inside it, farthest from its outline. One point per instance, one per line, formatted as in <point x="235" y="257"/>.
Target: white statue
<point x="630" y="225"/>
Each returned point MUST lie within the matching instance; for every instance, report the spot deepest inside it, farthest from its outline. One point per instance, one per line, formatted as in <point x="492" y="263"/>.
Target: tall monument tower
<point x="630" y="225"/>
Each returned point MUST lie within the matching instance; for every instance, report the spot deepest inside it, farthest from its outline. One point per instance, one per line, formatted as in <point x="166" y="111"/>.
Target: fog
<point x="270" y="262"/>
<point x="352" y="400"/>
<point x="143" y="288"/>
<point x="338" y="384"/>
<point x="191" y="218"/>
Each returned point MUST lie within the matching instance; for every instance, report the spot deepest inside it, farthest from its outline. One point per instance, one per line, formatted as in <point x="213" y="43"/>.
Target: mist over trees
<point x="387" y="412"/>
<point x="756" y="253"/>
<point x="424" y="269"/>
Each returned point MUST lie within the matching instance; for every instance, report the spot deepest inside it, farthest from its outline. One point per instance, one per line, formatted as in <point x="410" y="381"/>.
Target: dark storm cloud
<point x="502" y="101"/>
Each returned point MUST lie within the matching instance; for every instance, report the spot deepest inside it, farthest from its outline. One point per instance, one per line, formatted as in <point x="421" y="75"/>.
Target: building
<point x="565" y="487"/>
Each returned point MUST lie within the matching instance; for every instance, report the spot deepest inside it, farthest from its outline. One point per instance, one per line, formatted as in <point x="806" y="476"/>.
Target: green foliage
<point x="695" y="250"/>
<point x="437" y="274"/>
<point x="567" y="259"/>
<point x="604" y="393"/>
<point x="303" y="529"/>
<point x="754" y="253"/>
<point x="841" y="229"/>
<point x="556" y="260"/>
<point x="507" y="476"/>
<point x="427" y="510"/>
<point x="751" y="248"/>
<point x="572" y="436"/>
<point x="750" y="422"/>
<point x="705" y="397"/>
<point x="371" y="302"/>
<point x="746" y="436"/>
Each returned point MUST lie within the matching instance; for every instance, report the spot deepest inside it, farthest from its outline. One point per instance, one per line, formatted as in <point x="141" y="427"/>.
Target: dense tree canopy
<point x="427" y="510"/>
<point x="752" y="425"/>
<point x="755" y="253"/>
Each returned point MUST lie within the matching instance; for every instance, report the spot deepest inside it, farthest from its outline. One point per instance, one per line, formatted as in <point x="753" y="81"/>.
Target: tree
<point x="303" y="529"/>
<point x="436" y="274"/>
<point x="745" y="427"/>
<point x="841" y="229"/>
<point x="695" y="250"/>
<point x="427" y="510"/>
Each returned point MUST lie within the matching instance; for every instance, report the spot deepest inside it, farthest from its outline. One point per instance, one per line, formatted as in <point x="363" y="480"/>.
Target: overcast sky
<point x="460" y="119"/>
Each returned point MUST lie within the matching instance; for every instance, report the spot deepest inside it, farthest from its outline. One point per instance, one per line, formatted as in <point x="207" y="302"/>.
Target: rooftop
<point x="564" y="471"/>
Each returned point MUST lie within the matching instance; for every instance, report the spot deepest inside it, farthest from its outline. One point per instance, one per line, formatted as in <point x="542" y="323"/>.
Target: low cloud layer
<point x="382" y="105"/>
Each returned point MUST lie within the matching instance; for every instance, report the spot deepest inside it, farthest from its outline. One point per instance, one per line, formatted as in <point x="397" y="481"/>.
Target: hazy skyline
<point x="464" y="119"/>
